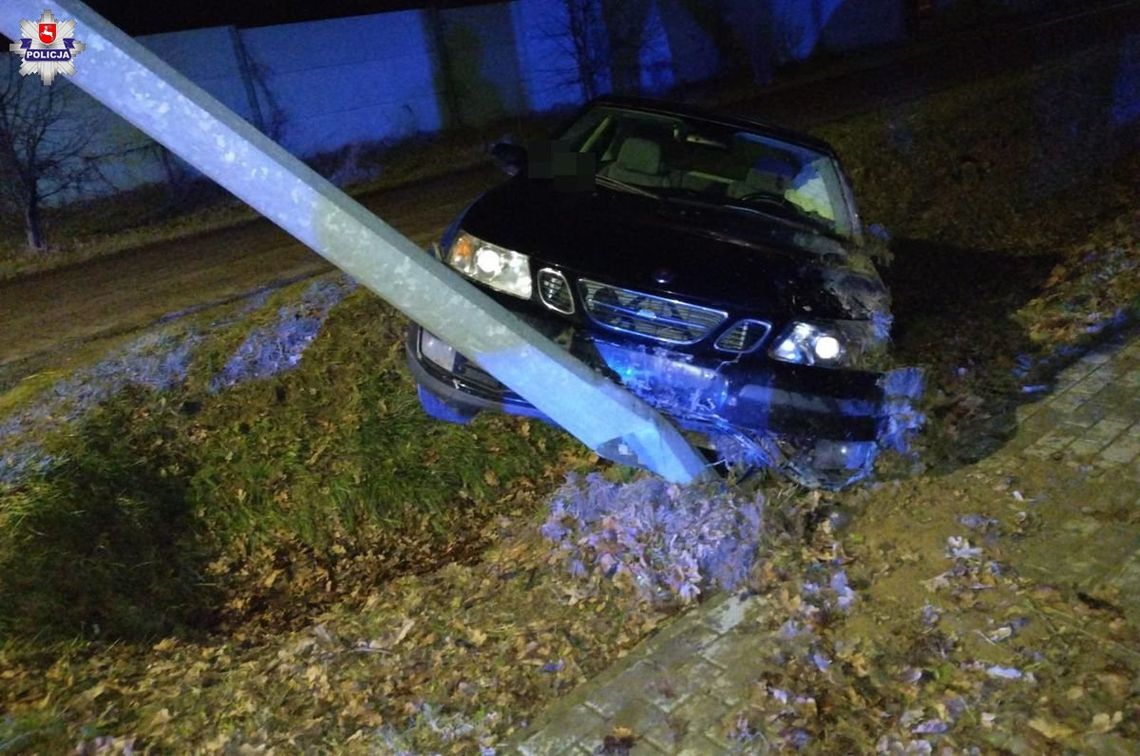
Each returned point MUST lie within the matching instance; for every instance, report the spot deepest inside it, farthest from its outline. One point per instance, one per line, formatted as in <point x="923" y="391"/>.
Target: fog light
<point x="437" y="351"/>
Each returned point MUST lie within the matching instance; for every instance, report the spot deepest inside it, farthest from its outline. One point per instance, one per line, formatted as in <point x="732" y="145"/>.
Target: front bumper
<point x="791" y="402"/>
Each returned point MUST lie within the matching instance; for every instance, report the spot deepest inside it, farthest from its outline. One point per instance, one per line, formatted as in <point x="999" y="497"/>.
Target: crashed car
<point x="713" y="265"/>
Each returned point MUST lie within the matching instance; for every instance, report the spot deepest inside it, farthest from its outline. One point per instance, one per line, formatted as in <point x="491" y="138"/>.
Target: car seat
<point x="767" y="175"/>
<point x="639" y="163"/>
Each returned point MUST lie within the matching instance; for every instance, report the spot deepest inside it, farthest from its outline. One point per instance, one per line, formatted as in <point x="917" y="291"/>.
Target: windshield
<point x="671" y="156"/>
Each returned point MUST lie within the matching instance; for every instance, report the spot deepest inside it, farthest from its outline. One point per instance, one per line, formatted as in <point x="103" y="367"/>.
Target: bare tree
<point x="579" y="31"/>
<point x="626" y="31"/>
<point x="602" y="40"/>
<point x="44" y="150"/>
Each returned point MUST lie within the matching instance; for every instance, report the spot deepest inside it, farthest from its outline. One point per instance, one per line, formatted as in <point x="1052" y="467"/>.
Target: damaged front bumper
<point x="825" y="427"/>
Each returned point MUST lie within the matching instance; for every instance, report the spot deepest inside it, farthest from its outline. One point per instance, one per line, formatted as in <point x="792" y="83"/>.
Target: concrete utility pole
<point x="134" y="83"/>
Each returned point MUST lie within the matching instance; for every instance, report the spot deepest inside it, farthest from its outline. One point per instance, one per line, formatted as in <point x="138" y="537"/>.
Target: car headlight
<point x="502" y="269"/>
<point x="843" y="343"/>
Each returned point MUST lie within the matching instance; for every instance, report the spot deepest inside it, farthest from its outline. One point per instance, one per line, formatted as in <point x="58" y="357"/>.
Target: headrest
<point x="640" y="155"/>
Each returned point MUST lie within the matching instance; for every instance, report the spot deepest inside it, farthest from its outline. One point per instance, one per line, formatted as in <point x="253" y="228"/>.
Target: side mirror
<point x="878" y="245"/>
<point x="510" y="158"/>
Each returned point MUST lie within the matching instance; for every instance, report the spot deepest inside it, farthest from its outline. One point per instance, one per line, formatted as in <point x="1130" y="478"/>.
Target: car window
<point x="674" y="156"/>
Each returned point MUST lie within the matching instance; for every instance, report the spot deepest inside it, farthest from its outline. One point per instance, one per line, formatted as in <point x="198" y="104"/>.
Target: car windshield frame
<point x="669" y="155"/>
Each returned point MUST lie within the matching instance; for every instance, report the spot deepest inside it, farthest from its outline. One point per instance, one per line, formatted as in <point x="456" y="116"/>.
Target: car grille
<point x="648" y="315"/>
<point x="555" y="291"/>
<point x="744" y="336"/>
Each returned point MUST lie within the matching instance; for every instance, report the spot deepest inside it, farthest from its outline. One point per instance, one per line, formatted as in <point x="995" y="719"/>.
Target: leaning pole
<point x="134" y="83"/>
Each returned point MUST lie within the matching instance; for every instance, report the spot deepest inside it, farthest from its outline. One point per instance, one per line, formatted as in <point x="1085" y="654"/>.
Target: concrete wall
<point x="330" y="83"/>
<point x="205" y="56"/>
<point x="484" y="78"/>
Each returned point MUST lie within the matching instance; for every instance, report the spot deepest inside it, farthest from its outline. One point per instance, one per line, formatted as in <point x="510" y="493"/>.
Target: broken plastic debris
<point x="960" y="548"/>
<point x="977" y="522"/>
<point x="1002" y="633"/>
<point x="931" y="727"/>
<point x="1004" y="673"/>
<point x="845" y="597"/>
<point x="790" y="630"/>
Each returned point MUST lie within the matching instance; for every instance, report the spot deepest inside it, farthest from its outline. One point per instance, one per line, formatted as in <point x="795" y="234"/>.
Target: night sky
<point x="148" y="17"/>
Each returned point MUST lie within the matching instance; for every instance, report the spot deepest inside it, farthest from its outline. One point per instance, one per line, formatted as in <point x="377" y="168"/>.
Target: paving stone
<point x="1085" y="390"/>
<point x="730" y="613"/>
<point x="684" y="646"/>
<point x="609" y="701"/>
<point x="1067" y="402"/>
<point x="1097" y="437"/>
<point x="698" y="747"/>
<point x="1085" y="448"/>
<point x="729" y="688"/>
<point x="574" y="726"/>
<point x="652" y="726"/>
<point x="1073" y="373"/>
<point x="1099" y="357"/>
<point x="669" y="688"/>
<point x="729" y="654"/>
<point x="1089" y="414"/>
<point x="1115" y="399"/>
<point x="702" y="717"/>
<point x="1129" y="379"/>
<point x="1051" y="443"/>
<point x="1122" y="451"/>
<point x="1108" y="429"/>
<point x="665" y="741"/>
<point x="1023" y="412"/>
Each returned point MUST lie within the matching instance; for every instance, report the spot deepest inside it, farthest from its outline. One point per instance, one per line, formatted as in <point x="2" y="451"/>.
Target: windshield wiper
<point x="798" y="219"/>
<point x="612" y="183"/>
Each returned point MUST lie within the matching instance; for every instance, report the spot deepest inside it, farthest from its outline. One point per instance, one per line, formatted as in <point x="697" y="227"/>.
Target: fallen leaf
<point x="1050" y="729"/>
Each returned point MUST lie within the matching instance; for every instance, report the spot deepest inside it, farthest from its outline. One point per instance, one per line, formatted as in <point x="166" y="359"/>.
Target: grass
<point x="308" y="469"/>
<point x="105" y="546"/>
<point x="27" y="389"/>
<point x="216" y="569"/>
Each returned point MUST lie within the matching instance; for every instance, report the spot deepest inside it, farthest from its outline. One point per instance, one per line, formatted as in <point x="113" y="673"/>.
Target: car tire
<point x="441" y="409"/>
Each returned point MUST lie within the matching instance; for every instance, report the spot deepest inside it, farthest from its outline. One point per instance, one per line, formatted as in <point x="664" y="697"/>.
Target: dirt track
<point x="110" y="296"/>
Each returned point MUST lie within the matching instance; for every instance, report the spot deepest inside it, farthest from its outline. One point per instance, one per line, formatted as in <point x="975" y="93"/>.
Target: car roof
<point x="665" y="107"/>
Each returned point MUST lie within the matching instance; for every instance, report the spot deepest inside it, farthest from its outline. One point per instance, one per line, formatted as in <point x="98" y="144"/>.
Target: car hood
<point x="739" y="260"/>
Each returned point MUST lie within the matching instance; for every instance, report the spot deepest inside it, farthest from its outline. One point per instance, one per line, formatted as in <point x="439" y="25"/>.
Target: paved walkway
<point x="676" y="690"/>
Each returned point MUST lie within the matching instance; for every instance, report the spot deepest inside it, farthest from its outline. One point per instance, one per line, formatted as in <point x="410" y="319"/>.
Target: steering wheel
<point x="771" y="198"/>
